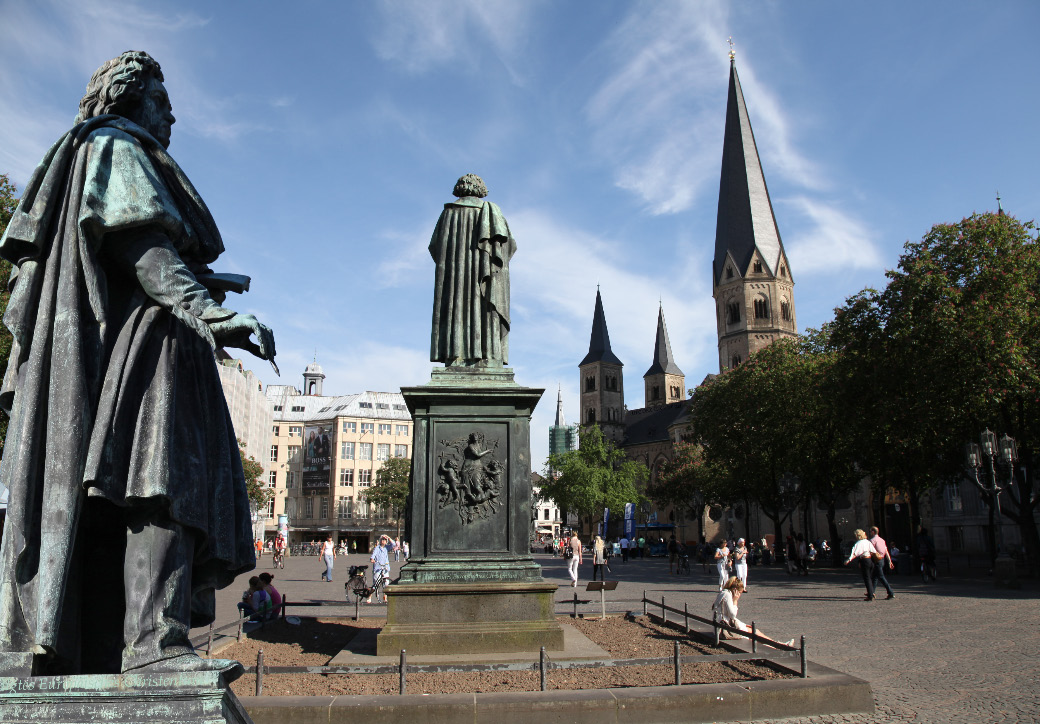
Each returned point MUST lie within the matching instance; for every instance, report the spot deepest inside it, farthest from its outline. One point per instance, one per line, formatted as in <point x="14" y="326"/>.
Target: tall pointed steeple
<point x="559" y="407"/>
<point x="751" y="278"/>
<point x="599" y="342"/>
<point x="664" y="381"/>
<point x="601" y="381"/>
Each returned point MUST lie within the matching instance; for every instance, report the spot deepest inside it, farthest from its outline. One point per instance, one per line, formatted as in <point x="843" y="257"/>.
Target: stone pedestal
<point x="192" y="698"/>
<point x="470" y="583"/>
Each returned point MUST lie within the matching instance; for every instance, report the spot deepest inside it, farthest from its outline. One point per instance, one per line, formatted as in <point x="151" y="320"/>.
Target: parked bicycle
<point x="358" y="588"/>
<point x="683" y="565"/>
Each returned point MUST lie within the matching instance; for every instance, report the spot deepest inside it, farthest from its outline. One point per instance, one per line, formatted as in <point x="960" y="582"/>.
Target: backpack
<point x="568" y="552"/>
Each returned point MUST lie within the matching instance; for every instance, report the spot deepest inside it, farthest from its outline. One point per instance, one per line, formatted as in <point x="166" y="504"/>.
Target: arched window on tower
<point x="729" y="272"/>
<point x="758" y="267"/>
<point x="733" y="312"/>
<point x="735" y="361"/>
<point x="783" y="270"/>
<point x="590" y="416"/>
<point x="655" y="392"/>
<point x="761" y="308"/>
<point x="590" y="383"/>
<point x="785" y="310"/>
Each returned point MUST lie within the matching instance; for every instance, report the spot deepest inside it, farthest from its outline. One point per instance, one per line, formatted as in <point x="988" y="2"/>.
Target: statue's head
<point x="130" y="86"/>
<point x="470" y="185"/>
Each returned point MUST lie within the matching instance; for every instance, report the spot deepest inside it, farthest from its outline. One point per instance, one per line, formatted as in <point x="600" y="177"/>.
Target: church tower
<point x="313" y="376"/>
<point x="664" y="382"/>
<point x="601" y="382"/>
<point x="751" y="278"/>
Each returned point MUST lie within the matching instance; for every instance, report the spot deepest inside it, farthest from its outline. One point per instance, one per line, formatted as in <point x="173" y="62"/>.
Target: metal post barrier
<point x="575" y="614"/>
<point x="241" y="622"/>
<point x="754" y="638"/>
<point x="644" y="602"/>
<point x="259" y="672"/>
<point x="285" y="604"/>
<point x="603" y="603"/>
<point x="805" y="669"/>
<point x="715" y="625"/>
<point x="541" y="666"/>
<point x="209" y="641"/>
<point x="677" y="664"/>
<point x="404" y="663"/>
<point x="686" y="616"/>
<point x="664" y="614"/>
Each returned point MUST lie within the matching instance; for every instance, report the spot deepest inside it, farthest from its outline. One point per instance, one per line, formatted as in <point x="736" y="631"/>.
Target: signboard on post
<point x="630" y="520"/>
<point x="317" y="459"/>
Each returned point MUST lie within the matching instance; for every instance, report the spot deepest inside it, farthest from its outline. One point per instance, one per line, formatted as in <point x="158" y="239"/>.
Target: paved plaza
<point x="952" y="651"/>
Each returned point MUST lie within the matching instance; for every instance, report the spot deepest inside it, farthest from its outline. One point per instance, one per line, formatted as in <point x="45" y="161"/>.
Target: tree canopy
<point x="390" y="491"/>
<point x="259" y="494"/>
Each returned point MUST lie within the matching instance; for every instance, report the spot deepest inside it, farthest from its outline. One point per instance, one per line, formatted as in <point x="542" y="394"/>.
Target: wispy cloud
<point x="420" y="35"/>
<point x="826" y="238"/>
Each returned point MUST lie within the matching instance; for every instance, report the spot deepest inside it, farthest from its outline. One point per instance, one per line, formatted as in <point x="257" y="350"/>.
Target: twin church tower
<point x="751" y="282"/>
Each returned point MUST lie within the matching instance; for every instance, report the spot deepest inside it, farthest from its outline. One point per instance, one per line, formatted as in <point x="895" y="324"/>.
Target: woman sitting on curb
<point x="726" y="607"/>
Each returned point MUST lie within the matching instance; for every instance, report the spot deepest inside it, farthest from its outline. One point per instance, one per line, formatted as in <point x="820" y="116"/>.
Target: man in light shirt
<point x="886" y="559"/>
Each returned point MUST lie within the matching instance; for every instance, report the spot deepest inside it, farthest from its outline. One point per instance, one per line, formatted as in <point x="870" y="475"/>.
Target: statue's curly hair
<point x="118" y="84"/>
<point x="470" y="185"/>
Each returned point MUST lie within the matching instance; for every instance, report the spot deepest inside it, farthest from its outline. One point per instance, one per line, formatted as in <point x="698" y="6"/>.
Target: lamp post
<point x="993" y="454"/>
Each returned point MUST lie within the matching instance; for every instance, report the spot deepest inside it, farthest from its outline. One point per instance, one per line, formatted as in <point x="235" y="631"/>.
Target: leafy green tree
<point x="949" y="347"/>
<point x="8" y="202"/>
<point x="682" y="483"/>
<point x="259" y="494"/>
<point x="390" y="491"/>
<point x="595" y="476"/>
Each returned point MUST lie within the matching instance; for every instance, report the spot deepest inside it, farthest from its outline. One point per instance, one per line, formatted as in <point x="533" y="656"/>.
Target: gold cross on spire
<point x="732" y="55"/>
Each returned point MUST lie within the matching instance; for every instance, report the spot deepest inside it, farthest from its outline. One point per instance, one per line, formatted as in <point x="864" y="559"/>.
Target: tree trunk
<point x="832" y="529"/>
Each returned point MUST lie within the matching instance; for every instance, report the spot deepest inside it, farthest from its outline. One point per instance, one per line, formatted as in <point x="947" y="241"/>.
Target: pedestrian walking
<point x="673" y="555"/>
<point x="722" y="562"/>
<point x="573" y="552"/>
<point x="397" y="549"/>
<point x="642" y="546"/>
<point x="327" y="553"/>
<point x="740" y="561"/>
<point x="879" y="566"/>
<point x="864" y="554"/>
<point x="624" y="548"/>
<point x="599" y="558"/>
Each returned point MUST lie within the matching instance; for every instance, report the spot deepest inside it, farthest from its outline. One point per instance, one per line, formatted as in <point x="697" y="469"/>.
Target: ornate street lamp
<point x="1002" y="453"/>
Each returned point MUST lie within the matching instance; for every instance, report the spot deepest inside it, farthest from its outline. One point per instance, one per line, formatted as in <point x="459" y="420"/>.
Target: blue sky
<point x="326" y="137"/>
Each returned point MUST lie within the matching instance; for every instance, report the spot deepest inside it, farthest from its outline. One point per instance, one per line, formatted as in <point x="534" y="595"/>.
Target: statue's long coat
<point x="472" y="247"/>
<point x="109" y="393"/>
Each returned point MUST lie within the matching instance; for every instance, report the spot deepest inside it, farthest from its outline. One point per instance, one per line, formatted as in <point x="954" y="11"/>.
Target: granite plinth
<point x="447" y="618"/>
<point x="192" y="698"/>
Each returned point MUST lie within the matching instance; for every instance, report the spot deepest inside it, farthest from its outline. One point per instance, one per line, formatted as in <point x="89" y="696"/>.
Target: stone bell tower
<point x="751" y="278"/>
<point x="601" y="381"/>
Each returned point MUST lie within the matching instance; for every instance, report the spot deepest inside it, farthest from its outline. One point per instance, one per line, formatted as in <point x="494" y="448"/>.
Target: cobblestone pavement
<point x="946" y="652"/>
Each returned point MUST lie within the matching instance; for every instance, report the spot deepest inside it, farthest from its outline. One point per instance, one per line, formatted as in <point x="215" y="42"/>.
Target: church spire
<point x="745" y="222"/>
<point x="599" y="343"/>
<point x="559" y="407"/>
<point x="664" y="364"/>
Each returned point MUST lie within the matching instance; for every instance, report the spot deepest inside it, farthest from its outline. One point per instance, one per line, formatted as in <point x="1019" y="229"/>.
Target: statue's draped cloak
<point x="471" y="246"/>
<point x="109" y="393"/>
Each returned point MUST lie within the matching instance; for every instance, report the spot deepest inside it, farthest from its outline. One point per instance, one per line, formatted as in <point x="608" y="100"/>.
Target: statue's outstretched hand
<point x="237" y="332"/>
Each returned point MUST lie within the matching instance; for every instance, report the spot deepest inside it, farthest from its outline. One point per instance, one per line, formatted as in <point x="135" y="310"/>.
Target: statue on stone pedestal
<point x="472" y="247"/>
<point x="128" y="504"/>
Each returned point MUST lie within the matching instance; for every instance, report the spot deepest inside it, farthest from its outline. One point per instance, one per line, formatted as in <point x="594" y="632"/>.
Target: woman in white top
<point x="722" y="562"/>
<point x="599" y="558"/>
<point x="863" y="553"/>
<point x="726" y="607"/>
<point x="740" y="562"/>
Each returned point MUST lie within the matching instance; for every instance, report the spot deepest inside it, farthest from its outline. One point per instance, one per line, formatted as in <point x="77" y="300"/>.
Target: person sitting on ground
<point x="276" y="598"/>
<point x="255" y="603"/>
<point x="726" y="607"/>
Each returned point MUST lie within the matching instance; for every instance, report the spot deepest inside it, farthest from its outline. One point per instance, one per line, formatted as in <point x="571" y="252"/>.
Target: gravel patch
<point x="315" y="641"/>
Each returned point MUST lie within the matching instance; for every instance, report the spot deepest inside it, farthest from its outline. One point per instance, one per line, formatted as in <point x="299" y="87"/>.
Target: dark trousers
<point x="866" y="569"/>
<point x="597" y="569"/>
<point x="624" y="555"/>
<point x="879" y="575"/>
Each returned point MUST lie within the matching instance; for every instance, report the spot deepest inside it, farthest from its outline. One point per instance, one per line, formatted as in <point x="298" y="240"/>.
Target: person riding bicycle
<point x="279" y="549"/>
<point x="380" y="564"/>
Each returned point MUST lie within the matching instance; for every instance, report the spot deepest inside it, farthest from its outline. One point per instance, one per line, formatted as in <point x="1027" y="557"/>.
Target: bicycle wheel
<point x="357" y="587"/>
<point x="684" y="567"/>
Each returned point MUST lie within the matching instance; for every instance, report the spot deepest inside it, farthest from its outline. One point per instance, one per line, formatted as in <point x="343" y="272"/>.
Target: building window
<point x="785" y="310"/>
<point x="366" y="451"/>
<point x="590" y="416"/>
<point x="758" y="267"/>
<point x="400" y="451"/>
<point x="274" y="453"/>
<point x="290" y="479"/>
<point x="610" y="382"/>
<point x="952" y="496"/>
<point x="308" y="507"/>
<point x="324" y="507"/>
<point x="270" y="508"/>
<point x="293" y="454"/>
<point x="729" y="272"/>
<point x="272" y="479"/>
<point x="384" y="428"/>
<point x="546" y="511"/>
<point x="402" y="430"/>
<point x="365" y="405"/>
<point x="277" y="408"/>
<point x="761" y="309"/>
<point x="346" y="476"/>
<point x="361" y="509"/>
<point x="956" y="538"/>
<point x="655" y="392"/>
<point x="364" y="478"/>
<point x="349" y="426"/>
<point x="345" y="506"/>
<point x="675" y="392"/>
<point x="783" y="270"/>
<point x="367" y="428"/>
<point x="733" y="312"/>
<point x="275" y="431"/>
<point x="346" y="450"/>
<point x="297" y="408"/>
<point x="383" y="451"/>
<point x="295" y="431"/>
<point x="590" y="383"/>
<point x="735" y="362"/>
